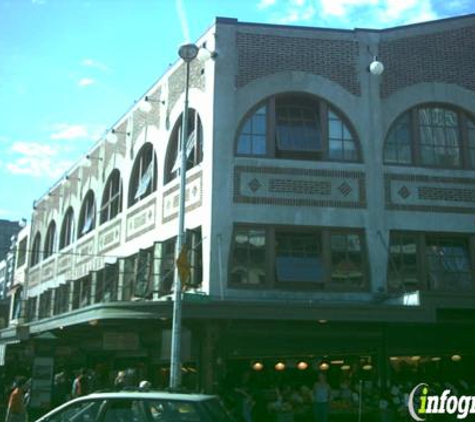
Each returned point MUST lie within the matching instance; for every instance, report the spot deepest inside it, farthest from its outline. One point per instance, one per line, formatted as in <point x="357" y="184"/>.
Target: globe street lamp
<point x="188" y="52"/>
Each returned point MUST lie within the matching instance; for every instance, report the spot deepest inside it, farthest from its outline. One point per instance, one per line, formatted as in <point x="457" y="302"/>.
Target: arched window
<point x="87" y="216"/>
<point x="112" y="197"/>
<point x="36" y="250"/>
<point x="67" y="229"/>
<point x="50" y="240"/>
<point x="297" y="126"/>
<point x="432" y="136"/>
<point x="194" y="146"/>
<point x="143" y="180"/>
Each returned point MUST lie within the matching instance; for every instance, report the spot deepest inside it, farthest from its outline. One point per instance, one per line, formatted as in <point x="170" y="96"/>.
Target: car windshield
<point x="217" y="411"/>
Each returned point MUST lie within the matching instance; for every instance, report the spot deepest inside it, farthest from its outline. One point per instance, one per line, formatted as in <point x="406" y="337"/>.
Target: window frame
<point x="464" y="118"/>
<point x="172" y="153"/>
<point x="422" y="266"/>
<point x="110" y="197"/>
<point x="324" y="233"/>
<point x="138" y="171"/>
<point x="50" y="240"/>
<point x="66" y="236"/>
<point x="88" y="209"/>
<point x="36" y="255"/>
<point x="323" y="109"/>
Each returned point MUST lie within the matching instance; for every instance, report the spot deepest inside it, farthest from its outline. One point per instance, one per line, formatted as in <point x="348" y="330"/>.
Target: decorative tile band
<point x="141" y="220"/>
<point x="299" y="187"/>
<point x="109" y="238"/>
<point x="429" y="193"/>
<point x="193" y="197"/>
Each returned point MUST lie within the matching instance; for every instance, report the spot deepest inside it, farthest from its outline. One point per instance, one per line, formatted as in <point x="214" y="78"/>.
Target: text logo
<point x="421" y="403"/>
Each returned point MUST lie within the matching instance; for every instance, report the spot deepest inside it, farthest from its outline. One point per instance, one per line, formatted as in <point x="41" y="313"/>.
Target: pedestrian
<point x="16" y="411"/>
<point x="321" y="398"/>
<point x="80" y="384"/>
<point x="145" y="385"/>
<point x="119" y="382"/>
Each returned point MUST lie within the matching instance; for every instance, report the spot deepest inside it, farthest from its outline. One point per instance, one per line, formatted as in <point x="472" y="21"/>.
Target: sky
<point x="69" y="69"/>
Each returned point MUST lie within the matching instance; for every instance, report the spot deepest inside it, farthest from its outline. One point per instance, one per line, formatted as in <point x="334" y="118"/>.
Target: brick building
<point x="329" y="213"/>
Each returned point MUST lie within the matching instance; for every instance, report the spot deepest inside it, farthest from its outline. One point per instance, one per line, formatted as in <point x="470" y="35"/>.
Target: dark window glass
<point x="297" y="125"/>
<point x="194" y="146"/>
<point x="402" y="262"/>
<point x="448" y="263"/>
<point x="50" y="240"/>
<point x="83" y="411"/>
<point x="21" y="259"/>
<point x="67" y="229"/>
<point x="341" y="144"/>
<point x="347" y="260"/>
<point x="439" y="137"/>
<point x="249" y="256"/>
<point x="397" y="149"/>
<point x="36" y="250"/>
<point x="298" y="258"/>
<point x="290" y="127"/>
<point x="87" y="217"/>
<point x="252" y="140"/>
<point x="112" y="197"/>
<point x="119" y="410"/>
<point x="143" y="180"/>
<point x="471" y="142"/>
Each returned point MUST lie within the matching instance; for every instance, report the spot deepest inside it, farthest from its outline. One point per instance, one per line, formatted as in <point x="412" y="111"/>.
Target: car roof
<point x="150" y="395"/>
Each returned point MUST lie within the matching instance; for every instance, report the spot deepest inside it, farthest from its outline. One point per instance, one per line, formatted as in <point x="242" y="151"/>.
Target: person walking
<point x="321" y="398"/>
<point x="16" y="410"/>
<point x="80" y="384"/>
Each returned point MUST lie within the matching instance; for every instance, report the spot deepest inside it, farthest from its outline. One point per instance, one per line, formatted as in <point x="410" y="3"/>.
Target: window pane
<point x="252" y="139"/>
<point x="341" y="145"/>
<point x="249" y="257"/>
<point x="439" y="137"/>
<point x="347" y="260"/>
<point x="448" y="263"/>
<point x="397" y="147"/>
<point x="298" y="257"/>
<point x="297" y="125"/>
<point x="402" y="262"/>
<point x="84" y="411"/>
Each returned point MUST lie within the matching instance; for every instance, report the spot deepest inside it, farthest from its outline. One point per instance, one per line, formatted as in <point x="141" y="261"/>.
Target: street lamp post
<point x="188" y="53"/>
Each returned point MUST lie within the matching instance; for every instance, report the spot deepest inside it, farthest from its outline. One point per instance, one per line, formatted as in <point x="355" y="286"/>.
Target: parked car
<point x="136" y="406"/>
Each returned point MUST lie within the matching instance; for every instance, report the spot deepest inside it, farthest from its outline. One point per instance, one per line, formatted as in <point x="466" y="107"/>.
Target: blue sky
<point x="69" y="69"/>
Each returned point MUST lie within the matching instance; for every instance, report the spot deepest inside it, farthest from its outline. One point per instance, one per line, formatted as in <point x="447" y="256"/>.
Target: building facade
<point x="329" y="213"/>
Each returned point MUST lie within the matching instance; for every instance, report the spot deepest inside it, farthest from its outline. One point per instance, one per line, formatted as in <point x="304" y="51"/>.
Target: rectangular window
<point x="448" y="263"/>
<point x="21" y="257"/>
<point x="298" y="258"/>
<point x="402" y="262"/>
<point x="439" y="137"/>
<point x="346" y="260"/>
<point x="248" y="264"/>
<point x="297" y="128"/>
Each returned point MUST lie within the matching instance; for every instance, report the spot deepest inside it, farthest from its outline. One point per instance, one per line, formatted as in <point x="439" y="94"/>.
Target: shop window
<point x="448" y="263"/>
<point x="36" y="250"/>
<point x="402" y="262"/>
<point x="112" y="197"/>
<point x="248" y="262"/>
<point x="300" y="257"/>
<point x="67" y="229"/>
<point x="87" y="216"/>
<point x="432" y="136"/>
<point x="143" y="180"/>
<point x="430" y="261"/>
<point x="297" y="126"/>
<point x="50" y="240"/>
<point x="346" y="260"/>
<point x="194" y="146"/>
<point x="167" y="269"/>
